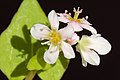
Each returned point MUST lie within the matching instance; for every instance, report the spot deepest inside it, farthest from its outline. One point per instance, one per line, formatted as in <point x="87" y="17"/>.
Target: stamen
<point x="74" y="10"/>
<point x="70" y="14"/>
<point x="47" y="42"/>
<point x="55" y="37"/>
<point x="66" y="11"/>
<point x="86" y="17"/>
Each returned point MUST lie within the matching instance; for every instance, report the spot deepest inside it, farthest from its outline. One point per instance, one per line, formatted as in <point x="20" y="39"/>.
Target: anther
<point x="66" y="11"/>
<point x="86" y="17"/>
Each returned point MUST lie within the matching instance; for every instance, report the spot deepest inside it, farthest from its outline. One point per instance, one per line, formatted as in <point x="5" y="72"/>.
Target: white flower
<point x="77" y="24"/>
<point x="89" y="46"/>
<point x="55" y="38"/>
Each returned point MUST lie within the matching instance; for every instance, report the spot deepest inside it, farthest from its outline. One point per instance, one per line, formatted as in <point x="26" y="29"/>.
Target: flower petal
<point x="62" y="18"/>
<point x="39" y="31"/>
<point x="67" y="50"/>
<point x="84" y="63"/>
<point x="73" y="40"/>
<point x="89" y="28"/>
<point x="85" y="21"/>
<point x="53" y="19"/>
<point x="51" y="55"/>
<point x="76" y="26"/>
<point x="90" y="56"/>
<point x="100" y="44"/>
<point x="66" y="32"/>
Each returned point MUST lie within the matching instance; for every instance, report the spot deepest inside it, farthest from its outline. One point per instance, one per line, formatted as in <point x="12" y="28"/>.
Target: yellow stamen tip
<point x="55" y="37"/>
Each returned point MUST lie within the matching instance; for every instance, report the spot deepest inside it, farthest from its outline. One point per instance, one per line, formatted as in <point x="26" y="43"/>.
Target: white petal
<point x="100" y="44"/>
<point x="52" y="16"/>
<point x="74" y="39"/>
<point x="39" y="31"/>
<point x="67" y="50"/>
<point x="90" y="56"/>
<point x="76" y="26"/>
<point x="62" y="18"/>
<point x="51" y="55"/>
<point x="89" y="28"/>
<point x="84" y="63"/>
<point x="85" y="21"/>
<point x="66" y="32"/>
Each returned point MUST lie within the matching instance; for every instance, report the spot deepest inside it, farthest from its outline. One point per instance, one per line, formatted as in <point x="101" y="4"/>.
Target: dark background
<point x="103" y="14"/>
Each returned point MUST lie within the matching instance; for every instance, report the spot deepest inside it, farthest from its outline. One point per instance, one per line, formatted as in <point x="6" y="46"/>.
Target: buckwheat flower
<point x="77" y="23"/>
<point x="89" y="46"/>
<point x="56" y="39"/>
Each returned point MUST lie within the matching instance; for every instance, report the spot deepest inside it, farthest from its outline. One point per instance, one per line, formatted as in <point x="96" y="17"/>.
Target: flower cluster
<point x="62" y="39"/>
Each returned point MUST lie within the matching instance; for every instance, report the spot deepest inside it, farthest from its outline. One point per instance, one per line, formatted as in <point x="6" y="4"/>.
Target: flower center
<point x="76" y="15"/>
<point x="55" y="37"/>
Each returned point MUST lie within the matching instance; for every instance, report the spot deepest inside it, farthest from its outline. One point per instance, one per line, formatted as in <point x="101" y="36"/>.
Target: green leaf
<point x="55" y="72"/>
<point x="33" y="64"/>
<point x="37" y="62"/>
<point x="16" y="44"/>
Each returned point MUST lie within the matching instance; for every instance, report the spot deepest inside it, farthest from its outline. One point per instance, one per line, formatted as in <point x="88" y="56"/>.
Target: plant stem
<point x="30" y="75"/>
